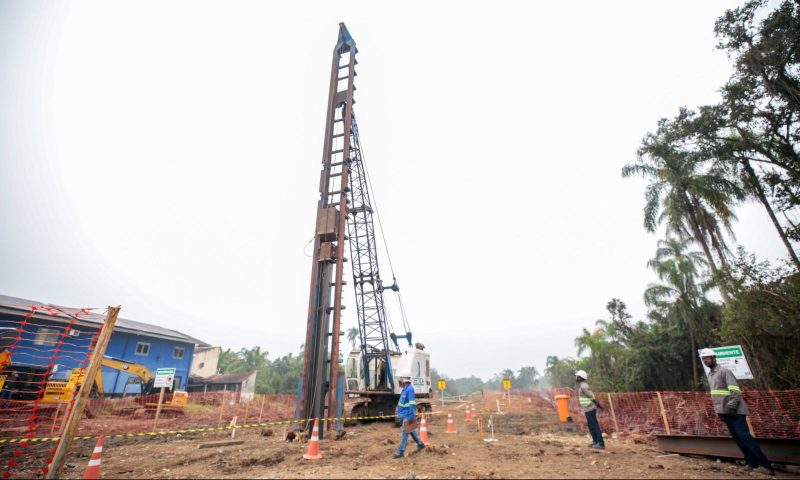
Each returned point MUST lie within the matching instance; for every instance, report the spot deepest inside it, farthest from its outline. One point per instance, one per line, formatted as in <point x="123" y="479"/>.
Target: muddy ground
<point x="529" y="445"/>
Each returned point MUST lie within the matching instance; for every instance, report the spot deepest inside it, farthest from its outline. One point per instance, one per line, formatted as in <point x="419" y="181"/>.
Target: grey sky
<point x="165" y="157"/>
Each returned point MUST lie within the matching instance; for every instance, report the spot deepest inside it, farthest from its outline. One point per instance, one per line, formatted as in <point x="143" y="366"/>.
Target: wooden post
<point x="663" y="413"/>
<point x="613" y="414"/>
<point x="158" y="408"/>
<point x="83" y="394"/>
<point x="55" y="419"/>
<point x="260" y="412"/>
<point x="221" y="407"/>
<point x="233" y="427"/>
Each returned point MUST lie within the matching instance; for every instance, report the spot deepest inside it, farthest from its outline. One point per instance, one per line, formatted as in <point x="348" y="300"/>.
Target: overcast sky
<point x="164" y="156"/>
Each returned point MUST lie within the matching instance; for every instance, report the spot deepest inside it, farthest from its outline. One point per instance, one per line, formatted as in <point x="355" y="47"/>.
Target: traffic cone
<point x="313" y="444"/>
<point x="451" y="427"/>
<point x="474" y="412"/>
<point x="468" y="415"/>
<point x="93" y="470"/>
<point x="423" y="432"/>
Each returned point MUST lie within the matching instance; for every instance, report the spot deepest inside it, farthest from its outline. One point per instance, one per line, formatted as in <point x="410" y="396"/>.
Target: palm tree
<point x="680" y="293"/>
<point x="352" y="336"/>
<point x="691" y="200"/>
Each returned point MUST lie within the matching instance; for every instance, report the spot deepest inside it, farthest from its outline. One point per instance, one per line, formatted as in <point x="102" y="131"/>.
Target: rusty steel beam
<point x="778" y="450"/>
<point x="319" y="379"/>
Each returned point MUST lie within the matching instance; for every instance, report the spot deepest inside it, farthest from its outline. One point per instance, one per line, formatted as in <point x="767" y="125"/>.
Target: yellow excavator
<point x="63" y="390"/>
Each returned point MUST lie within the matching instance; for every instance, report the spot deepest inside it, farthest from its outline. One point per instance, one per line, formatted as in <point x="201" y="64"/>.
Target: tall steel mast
<point x="320" y="388"/>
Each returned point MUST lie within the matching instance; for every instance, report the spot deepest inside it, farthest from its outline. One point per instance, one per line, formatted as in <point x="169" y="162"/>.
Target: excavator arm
<point x="135" y="369"/>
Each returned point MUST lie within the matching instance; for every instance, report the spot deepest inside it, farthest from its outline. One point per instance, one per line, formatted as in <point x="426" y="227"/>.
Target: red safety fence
<point x="37" y="344"/>
<point x="774" y="413"/>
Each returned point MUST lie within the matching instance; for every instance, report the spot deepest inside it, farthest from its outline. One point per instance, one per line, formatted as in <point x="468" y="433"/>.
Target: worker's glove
<point x="598" y="405"/>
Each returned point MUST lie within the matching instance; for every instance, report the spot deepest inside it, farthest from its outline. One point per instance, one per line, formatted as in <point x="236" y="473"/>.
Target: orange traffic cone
<point x="423" y="432"/>
<point x="468" y="415"/>
<point x="93" y="470"/>
<point x="474" y="412"/>
<point x="313" y="444"/>
<point x="451" y="427"/>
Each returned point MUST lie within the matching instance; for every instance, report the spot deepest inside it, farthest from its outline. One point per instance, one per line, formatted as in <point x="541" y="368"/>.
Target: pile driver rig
<point x="345" y="215"/>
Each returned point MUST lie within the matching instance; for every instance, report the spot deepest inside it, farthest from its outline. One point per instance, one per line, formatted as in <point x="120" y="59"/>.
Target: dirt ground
<point x="529" y="445"/>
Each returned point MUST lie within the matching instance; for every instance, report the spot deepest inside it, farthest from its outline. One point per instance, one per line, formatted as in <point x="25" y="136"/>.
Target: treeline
<point x="273" y="376"/>
<point x="700" y="166"/>
<point x="525" y="378"/>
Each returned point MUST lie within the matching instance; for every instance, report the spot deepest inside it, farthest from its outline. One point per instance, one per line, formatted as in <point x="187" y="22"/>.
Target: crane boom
<point x="367" y="281"/>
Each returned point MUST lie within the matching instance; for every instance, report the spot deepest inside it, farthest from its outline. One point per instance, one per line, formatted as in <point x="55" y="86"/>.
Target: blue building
<point x="58" y="338"/>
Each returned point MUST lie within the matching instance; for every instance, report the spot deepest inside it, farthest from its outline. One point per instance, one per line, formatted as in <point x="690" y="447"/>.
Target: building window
<point x="46" y="336"/>
<point x="177" y="353"/>
<point x="143" y="349"/>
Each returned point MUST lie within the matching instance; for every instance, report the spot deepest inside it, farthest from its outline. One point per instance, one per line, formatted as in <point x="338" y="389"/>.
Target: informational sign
<point x="506" y="383"/>
<point x="3" y="381"/>
<point x="733" y="359"/>
<point x="442" y="384"/>
<point x="164" y="378"/>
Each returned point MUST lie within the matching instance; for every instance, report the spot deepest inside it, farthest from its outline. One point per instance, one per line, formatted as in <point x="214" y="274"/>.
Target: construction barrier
<point x="39" y="346"/>
<point x="774" y="413"/>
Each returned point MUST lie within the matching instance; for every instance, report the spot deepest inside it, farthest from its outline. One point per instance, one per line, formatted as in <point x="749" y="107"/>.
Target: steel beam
<point x="779" y="450"/>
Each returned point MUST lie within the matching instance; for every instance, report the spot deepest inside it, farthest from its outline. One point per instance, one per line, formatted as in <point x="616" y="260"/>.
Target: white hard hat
<point x="582" y="374"/>
<point x="707" y="352"/>
<point x="404" y="374"/>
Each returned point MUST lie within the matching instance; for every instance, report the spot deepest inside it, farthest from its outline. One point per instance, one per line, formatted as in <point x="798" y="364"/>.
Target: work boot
<point x="398" y="455"/>
<point x="420" y="448"/>
<point x="598" y="446"/>
<point x="764" y="470"/>
<point x="749" y="468"/>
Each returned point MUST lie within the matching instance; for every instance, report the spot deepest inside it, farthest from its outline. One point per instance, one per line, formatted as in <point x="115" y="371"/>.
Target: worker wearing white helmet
<point x="731" y="409"/>
<point x="589" y="406"/>
<point x="407" y="411"/>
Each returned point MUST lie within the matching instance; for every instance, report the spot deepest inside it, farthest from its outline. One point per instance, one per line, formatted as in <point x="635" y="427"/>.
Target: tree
<point x="765" y="319"/>
<point x="561" y="372"/>
<point x="761" y="104"/>
<point x="527" y="377"/>
<point x="352" y="336"/>
<point x="679" y="271"/>
<point x="693" y="200"/>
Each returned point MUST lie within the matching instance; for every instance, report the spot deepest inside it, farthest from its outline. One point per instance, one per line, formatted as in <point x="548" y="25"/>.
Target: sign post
<point x="733" y="359"/>
<point x="442" y="386"/>
<point x="164" y="379"/>
<point x="507" y="387"/>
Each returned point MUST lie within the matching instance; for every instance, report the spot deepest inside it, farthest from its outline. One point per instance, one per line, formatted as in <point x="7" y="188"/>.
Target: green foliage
<point x="278" y="376"/>
<point x="700" y="165"/>
<point x="765" y="318"/>
<point x="560" y="372"/>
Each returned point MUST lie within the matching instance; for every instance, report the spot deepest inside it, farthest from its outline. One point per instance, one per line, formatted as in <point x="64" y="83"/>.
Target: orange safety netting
<point x="37" y="344"/>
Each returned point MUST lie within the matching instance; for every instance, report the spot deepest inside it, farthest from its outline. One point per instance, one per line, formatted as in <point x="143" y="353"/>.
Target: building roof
<point x="223" y="378"/>
<point x="18" y="306"/>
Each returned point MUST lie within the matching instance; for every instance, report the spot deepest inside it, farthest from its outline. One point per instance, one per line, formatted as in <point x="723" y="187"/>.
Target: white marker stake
<point x="491" y="425"/>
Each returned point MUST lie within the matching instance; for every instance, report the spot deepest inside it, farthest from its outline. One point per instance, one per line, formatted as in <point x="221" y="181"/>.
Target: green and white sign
<point x="733" y="359"/>
<point x="164" y="378"/>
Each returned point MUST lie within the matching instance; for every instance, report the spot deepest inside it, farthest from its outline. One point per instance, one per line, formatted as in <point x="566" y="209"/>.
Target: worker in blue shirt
<point x="407" y="411"/>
